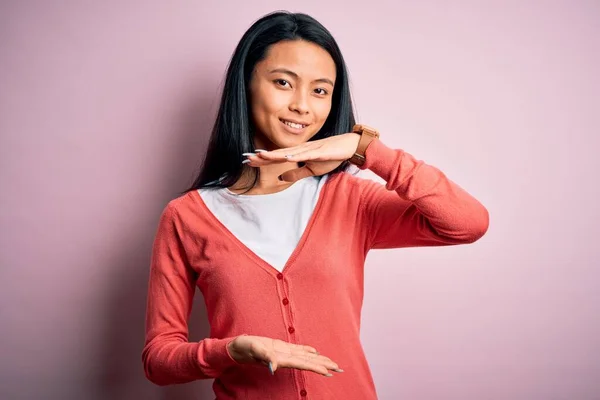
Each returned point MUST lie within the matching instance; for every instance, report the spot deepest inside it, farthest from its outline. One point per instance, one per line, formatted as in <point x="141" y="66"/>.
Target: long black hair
<point x="233" y="130"/>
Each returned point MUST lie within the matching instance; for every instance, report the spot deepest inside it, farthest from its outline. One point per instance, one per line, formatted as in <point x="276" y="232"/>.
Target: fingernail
<point x="338" y="370"/>
<point x="271" y="368"/>
<point x="260" y="151"/>
<point x="248" y="154"/>
<point x="246" y="161"/>
<point x="328" y="375"/>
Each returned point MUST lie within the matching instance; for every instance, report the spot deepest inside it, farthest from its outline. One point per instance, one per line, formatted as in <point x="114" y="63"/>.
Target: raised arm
<point x="418" y="205"/>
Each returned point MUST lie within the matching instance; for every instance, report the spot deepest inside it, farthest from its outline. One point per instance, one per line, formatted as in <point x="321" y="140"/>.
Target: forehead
<point x="304" y="58"/>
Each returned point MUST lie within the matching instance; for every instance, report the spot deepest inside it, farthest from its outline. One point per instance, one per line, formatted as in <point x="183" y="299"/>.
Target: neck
<point x="268" y="180"/>
<point x="267" y="183"/>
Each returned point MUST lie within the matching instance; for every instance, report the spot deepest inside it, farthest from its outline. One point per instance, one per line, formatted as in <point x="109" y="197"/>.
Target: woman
<point x="275" y="231"/>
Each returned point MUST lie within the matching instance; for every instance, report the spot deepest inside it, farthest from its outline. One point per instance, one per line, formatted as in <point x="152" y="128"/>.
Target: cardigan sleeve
<point x="418" y="205"/>
<point x="167" y="355"/>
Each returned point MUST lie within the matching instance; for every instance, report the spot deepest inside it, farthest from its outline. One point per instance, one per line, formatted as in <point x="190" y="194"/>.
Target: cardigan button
<point x="291" y="329"/>
<point x="285" y="302"/>
<point x="303" y="393"/>
<point x="280" y="276"/>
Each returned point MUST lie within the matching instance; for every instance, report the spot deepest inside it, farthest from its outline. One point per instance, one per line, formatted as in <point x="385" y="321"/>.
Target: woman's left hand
<point x="320" y="156"/>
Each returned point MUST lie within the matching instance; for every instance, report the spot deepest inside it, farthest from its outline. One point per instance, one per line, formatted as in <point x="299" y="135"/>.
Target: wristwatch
<point x="367" y="135"/>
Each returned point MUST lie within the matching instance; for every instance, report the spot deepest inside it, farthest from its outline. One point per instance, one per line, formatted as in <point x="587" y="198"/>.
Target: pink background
<point x="105" y="109"/>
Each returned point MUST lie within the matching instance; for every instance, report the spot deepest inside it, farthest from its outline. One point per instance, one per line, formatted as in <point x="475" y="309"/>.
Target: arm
<point x="418" y="206"/>
<point x="167" y="356"/>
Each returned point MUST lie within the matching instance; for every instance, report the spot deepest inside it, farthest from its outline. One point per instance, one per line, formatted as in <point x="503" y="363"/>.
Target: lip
<point x="295" y="131"/>
<point x="294" y="121"/>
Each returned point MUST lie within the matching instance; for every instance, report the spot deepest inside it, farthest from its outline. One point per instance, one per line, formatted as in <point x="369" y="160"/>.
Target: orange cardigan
<point x="316" y="300"/>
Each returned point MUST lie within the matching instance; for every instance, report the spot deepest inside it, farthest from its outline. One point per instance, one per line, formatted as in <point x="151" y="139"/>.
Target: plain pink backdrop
<point x="105" y="110"/>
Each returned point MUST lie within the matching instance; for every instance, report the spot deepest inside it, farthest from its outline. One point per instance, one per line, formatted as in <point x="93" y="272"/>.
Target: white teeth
<point x="293" y="125"/>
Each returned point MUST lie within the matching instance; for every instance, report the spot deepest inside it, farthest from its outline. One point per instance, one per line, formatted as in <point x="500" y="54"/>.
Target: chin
<point x="284" y="142"/>
<point x="284" y="139"/>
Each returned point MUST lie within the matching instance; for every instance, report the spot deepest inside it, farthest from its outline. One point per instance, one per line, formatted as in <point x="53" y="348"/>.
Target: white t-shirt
<point x="270" y="225"/>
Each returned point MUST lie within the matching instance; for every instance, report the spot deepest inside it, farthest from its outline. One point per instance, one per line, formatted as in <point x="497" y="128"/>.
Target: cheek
<point x="322" y="109"/>
<point x="267" y="105"/>
<point x="272" y="101"/>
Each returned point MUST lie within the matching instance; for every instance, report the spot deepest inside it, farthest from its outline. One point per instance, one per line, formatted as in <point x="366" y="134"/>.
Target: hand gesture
<point x="279" y="354"/>
<point x="320" y="156"/>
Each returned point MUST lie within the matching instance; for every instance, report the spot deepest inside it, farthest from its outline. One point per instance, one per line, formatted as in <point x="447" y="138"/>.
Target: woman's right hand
<point x="259" y="349"/>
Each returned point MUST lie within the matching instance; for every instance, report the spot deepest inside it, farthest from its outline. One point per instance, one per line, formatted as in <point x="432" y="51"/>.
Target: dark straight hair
<point x="233" y="130"/>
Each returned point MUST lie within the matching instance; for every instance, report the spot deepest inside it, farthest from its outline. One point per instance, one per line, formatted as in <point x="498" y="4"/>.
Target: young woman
<point x="275" y="231"/>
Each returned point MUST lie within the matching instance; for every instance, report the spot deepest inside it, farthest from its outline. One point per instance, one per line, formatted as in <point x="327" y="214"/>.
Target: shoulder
<point x="351" y="192"/>
<point x="181" y="209"/>
<point x="352" y="184"/>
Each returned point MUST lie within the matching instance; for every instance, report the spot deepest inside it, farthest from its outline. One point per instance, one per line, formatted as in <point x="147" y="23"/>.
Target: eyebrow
<point x="295" y="75"/>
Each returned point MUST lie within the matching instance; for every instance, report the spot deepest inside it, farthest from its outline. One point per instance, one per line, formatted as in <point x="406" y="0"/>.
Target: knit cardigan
<point x="316" y="300"/>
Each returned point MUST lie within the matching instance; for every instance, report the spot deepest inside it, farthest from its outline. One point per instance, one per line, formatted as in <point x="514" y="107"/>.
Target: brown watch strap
<point x="367" y="135"/>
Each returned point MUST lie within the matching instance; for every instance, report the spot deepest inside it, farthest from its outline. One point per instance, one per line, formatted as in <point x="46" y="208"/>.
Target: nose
<point x="299" y="103"/>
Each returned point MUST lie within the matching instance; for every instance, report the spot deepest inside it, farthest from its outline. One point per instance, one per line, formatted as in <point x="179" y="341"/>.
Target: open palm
<point x="260" y="349"/>
<point x="320" y="156"/>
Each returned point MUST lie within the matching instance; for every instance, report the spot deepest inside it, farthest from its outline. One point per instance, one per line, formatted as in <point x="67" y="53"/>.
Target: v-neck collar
<point x="251" y="254"/>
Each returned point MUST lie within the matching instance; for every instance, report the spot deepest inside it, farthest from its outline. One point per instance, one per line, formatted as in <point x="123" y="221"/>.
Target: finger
<point x="313" y="355"/>
<point x="282" y="154"/>
<point x="309" y="155"/>
<point x="303" y="363"/>
<point x="289" y="149"/>
<point x="269" y="364"/>
<point x="255" y="161"/>
<point x="297" y="174"/>
<point x="292" y="351"/>
<point x="271" y="368"/>
<point x="298" y="349"/>
<point x="321" y="364"/>
<point x="273" y="365"/>
<point x="328" y="363"/>
<point x="309" y="349"/>
<point x="321" y="360"/>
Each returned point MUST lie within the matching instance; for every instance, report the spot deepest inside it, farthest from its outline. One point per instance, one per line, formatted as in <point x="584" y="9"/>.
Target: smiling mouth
<point x="293" y="124"/>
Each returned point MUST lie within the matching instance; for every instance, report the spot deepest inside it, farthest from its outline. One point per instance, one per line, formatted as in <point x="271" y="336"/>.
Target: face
<point x="291" y="91"/>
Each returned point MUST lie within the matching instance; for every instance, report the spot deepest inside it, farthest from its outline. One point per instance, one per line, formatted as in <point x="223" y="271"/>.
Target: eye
<point x="282" y="82"/>
<point x="321" y="91"/>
